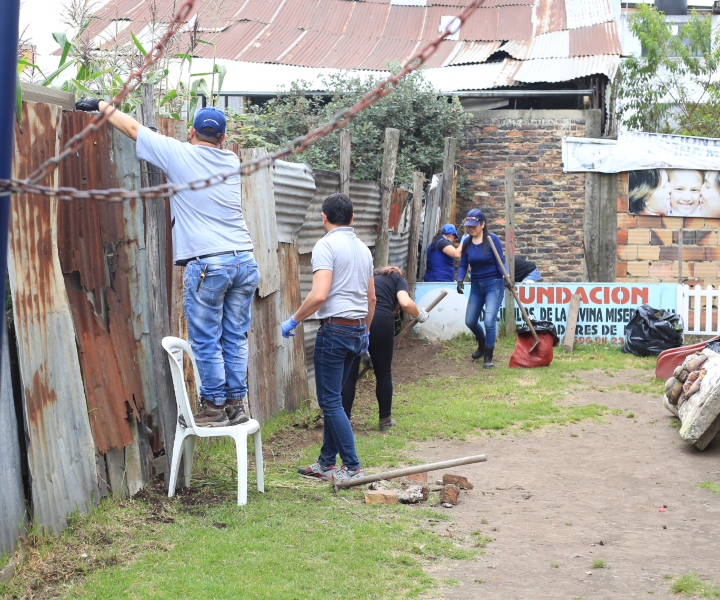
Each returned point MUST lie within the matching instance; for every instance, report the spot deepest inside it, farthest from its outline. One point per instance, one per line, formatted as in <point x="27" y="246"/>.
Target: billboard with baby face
<point x="675" y="193"/>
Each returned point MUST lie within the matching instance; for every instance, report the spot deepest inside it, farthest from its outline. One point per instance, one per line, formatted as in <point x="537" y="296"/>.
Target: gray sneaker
<point x="344" y="474"/>
<point x="235" y="410"/>
<point x="317" y="471"/>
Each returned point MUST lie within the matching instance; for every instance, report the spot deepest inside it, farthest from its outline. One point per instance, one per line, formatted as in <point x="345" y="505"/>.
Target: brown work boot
<point x="386" y="423"/>
<point x="235" y="410"/>
<point x="209" y="415"/>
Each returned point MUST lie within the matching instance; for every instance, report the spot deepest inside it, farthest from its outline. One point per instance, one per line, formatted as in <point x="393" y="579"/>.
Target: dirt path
<point x="571" y="495"/>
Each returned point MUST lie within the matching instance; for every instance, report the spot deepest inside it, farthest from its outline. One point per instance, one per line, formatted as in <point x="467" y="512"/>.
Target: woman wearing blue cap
<point x="441" y="255"/>
<point x="486" y="283"/>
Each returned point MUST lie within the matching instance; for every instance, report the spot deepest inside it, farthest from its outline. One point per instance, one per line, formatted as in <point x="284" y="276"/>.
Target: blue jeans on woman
<point x="336" y="347"/>
<point x="488" y="295"/>
<point x="217" y="310"/>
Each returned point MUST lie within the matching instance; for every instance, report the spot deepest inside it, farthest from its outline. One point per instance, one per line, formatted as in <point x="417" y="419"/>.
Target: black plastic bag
<point x="541" y="327"/>
<point x="651" y="331"/>
<point x="713" y="345"/>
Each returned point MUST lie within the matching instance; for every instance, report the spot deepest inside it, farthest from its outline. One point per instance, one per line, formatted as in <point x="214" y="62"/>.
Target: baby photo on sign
<point x="675" y="193"/>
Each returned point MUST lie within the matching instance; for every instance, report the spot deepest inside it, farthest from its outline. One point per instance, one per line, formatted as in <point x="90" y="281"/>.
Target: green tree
<point x="672" y="87"/>
<point x="423" y="117"/>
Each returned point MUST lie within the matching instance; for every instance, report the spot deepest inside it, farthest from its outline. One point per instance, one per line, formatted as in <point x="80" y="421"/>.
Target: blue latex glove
<point x="288" y="326"/>
<point x="366" y="344"/>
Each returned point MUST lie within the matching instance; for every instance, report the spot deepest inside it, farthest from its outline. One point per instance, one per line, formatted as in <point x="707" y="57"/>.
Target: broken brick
<point x="450" y="494"/>
<point x="457" y="480"/>
<point x="420" y="477"/>
<point x="381" y="496"/>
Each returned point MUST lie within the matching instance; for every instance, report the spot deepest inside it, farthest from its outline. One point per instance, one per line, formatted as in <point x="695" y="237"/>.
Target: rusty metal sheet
<point x="294" y="188"/>
<point x="388" y="51"/>
<point x="433" y="16"/>
<point x="349" y="52"/>
<point x="548" y="45"/>
<point x="365" y="196"/>
<point x="311" y="49"/>
<point x="405" y="23"/>
<point x="598" y="39"/>
<point x="473" y="52"/>
<point x="332" y="16"/>
<point x="258" y="203"/>
<point x="549" y="16"/>
<point x="367" y="20"/>
<point x="233" y="40"/>
<point x="482" y="76"/>
<point x="262" y="11"/>
<point x="12" y="497"/>
<point x="445" y="50"/>
<point x="310" y="326"/>
<point x="515" y="23"/>
<point x="91" y="241"/>
<point x="398" y="204"/>
<point x="297" y="13"/>
<point x="566" y="69"/>
<point x="292" y="384"/>
<point x="482" y="25"/>
<point x="61" y="452"/>
<point x="263" y="365"/>
<point x="583" y="13"/>
<point x="271" y="43"/>
<point x="312" y="230"/>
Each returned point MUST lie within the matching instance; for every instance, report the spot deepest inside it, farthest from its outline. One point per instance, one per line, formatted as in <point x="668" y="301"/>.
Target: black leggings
<point x="382" y="342"/>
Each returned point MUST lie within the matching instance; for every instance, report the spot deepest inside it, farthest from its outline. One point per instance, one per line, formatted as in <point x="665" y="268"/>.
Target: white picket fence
<point x="702" y="305"/>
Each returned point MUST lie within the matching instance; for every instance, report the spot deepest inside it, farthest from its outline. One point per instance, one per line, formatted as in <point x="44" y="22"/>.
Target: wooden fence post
<point x="681" y="241"/>
<point x="412" y="270"/>
<point x="431" y="225"/>
<point x="155" y="236"/>
<point x="382" y="245"/>
<point x="447" y="202"/>
<point x="510" y="247"/>
<point x="345" y="142"/>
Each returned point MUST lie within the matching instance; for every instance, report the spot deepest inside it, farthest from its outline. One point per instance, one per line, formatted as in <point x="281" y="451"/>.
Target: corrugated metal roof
<point x="565" y="69"/>
<point x="388" y="51"/>
<point x="405" y="22"/>
<point x="331" y="16"/>
<point x="294" y="189"/>
<point x="445" y="50"/>
<point x="475" y="77"/>
<point x="349" y="52"/>
<point x="549" y="45"/>
<point x="367" y="20"/>
<point x="549" y="16"/>
<point x="61" y="452"/>
<point x="482" y="25"/>
<point x="273" y="40"/>
<point x="311" y="49"/>
<point x="598" y="39"/>
<point x="473" y="52"/>
<point x="12" y="498"/>
<point x="515" y="23"/>
<point x="298" y="13"/>
<point x="583" y="13"/>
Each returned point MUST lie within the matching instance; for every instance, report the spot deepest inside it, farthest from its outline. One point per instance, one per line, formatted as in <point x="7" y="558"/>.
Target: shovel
<point x="409" y="327"/>
<point x="514" y="293"/>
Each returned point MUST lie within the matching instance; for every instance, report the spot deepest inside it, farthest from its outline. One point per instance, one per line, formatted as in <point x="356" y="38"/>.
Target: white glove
<point x="423" y="316"/>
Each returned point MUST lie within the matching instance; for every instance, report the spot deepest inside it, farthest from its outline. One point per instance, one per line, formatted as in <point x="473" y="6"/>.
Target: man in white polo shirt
<point x="211" y="240"/>
<point x="343" y="294"/>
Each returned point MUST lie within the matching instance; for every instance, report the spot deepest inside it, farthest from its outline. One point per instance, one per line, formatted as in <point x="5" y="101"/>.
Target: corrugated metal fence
<point x="79" y="284"/>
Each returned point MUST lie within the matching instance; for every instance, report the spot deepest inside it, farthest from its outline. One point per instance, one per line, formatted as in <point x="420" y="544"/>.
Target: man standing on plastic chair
<point x="212" y="242"/>
<point x="343" y="294"/>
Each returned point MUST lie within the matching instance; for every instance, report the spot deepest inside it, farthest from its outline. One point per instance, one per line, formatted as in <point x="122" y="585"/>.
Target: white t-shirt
<point x="351" y="262"/>
<point x="204" y="221"/>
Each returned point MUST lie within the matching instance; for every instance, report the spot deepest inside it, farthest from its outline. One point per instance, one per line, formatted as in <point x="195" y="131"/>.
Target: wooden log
<point x="155" y="239"/>
<point x="345" y="143"/>
<point x="387" y="177"/>
<point x="446" y="464"/>
<point x="413" y="256"/>
<point x="447" y="201"/>
<point x="510" y="247"/>
<point x="569" y="338"/>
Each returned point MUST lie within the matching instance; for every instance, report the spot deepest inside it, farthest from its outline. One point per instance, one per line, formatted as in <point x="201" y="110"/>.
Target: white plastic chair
<point x="186" y="438"/>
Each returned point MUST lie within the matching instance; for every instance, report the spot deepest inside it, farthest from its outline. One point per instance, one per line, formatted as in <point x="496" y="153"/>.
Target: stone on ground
<point x="381" y="496"/>
<point x="412" y="495"/>
<point x="700" y="413"/>
<point x="457" y="480"/>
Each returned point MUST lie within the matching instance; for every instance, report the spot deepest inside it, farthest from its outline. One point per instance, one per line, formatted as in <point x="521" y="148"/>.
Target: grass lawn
<point x="300" y="540"/>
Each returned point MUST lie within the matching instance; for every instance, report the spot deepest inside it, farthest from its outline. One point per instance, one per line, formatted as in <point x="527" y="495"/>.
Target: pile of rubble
<point x="693" y="395"/>
<point x="414" y="489"/>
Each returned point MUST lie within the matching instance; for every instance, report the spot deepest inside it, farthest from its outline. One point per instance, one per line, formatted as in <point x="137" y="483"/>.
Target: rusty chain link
<point x="295" y="146"/>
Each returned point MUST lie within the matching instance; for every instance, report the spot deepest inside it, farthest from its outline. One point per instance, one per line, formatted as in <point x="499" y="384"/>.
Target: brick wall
<point x="549" y="204"/>
<point x="647" y="249"/>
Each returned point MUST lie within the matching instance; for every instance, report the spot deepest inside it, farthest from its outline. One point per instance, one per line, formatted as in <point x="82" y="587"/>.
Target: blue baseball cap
<point x="474" y="218"/>
<point x="210" y="117"/>
<point x="448" y="228"/>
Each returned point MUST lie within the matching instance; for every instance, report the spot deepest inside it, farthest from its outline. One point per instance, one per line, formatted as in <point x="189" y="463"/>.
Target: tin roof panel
<point x="554" y="70"/>
<point x="473" y="52"/>
<point x="583" y="13"/>
<point x="259" y="11"/>
<point x="549" y="16"/>
<point x="367" y="20"/>
<point x="405" y="23"/>
<point x="349" y="52"/>
<point x="482" y="25"/>
<point x="597" y="39"/>
<point x="272" y="42"/>
<point x="388" y="51"/>
<point x="298" y="13"/>
<point x="515" y="23"/>
<point x="311" y="49"/>
<point x="332" y="16"/>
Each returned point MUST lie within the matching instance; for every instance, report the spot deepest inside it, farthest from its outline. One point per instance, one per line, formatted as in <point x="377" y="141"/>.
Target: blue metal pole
<point x="9" y="25"/>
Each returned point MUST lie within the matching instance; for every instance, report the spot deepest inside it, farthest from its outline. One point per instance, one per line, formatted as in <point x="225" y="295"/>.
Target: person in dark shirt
<point x="391" y="291"/>
<point x="526" y="271"/>
<point x="441" y="255"/>
<point x="486" y="284"/>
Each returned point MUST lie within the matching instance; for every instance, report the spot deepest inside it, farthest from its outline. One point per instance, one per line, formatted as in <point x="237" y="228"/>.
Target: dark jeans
<point x="487" y="294"/>
<point x="336" y="347"/>
<point x="382" y="344"/>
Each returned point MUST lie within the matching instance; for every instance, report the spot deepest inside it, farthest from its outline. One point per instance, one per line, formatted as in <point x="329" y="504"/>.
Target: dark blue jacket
<point x="483" y="266"/>
<point x="440" y="266"/>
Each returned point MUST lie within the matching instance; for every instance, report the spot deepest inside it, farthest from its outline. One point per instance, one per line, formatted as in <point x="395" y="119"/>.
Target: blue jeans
<point x="218" y="319"/>
<point x="487" y="294"/>
<point x="533" y="277"/>
<point x="336" y="346"/>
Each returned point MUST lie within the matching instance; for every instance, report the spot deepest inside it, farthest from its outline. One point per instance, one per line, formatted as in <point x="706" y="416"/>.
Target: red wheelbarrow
<point x="669" y="360"/>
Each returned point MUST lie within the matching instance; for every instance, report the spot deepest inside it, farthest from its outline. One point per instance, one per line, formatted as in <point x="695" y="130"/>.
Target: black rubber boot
<point x="488" y="363"/>
<point x="480" y="352"/>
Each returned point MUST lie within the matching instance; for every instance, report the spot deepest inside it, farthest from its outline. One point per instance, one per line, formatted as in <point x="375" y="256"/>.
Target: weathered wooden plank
<point x="447" y="203"/>
<point x="258" y="203"/>
<point x="344" y="163"/>
<point x="61" y="452"/>
<point x="413" y="256"/>
<point x="510" y="247"/>
<point x="387" y="178"/>
<point x="569" y="338"/>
